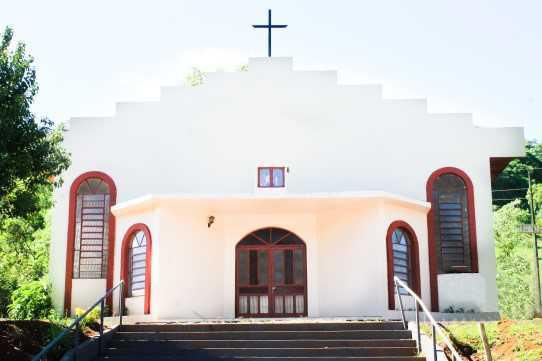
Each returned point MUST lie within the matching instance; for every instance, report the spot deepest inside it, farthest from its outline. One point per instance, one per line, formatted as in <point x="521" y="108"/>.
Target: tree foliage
<point x="514" y="264"/>
<point x="514" y="176"/>
<point x="31" y="155"/>
<point x="24" y="251"/>
<point x="31" y="301"/>
<point x="195" y="78"/>
<point x="31" y="160"/>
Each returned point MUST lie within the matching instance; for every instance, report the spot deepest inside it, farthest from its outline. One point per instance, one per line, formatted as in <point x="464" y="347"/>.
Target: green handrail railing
<point x="77" y="321"/>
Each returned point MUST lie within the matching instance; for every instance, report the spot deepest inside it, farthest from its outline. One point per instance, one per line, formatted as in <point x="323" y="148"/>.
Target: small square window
<point x="271" y="177"/>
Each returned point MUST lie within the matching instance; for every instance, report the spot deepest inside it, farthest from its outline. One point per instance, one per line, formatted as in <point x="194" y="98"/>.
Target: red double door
<point x="271" y="275"/>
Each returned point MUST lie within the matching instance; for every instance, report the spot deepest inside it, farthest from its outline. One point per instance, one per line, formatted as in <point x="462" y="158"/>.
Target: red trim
<point x="433" y="259"/>
<point x="271" y="170"/>
<point x="71" y="235"/>
<point x="124" y="262"/>
<point x="497" y="165"/>
<point x="414" y="253"/>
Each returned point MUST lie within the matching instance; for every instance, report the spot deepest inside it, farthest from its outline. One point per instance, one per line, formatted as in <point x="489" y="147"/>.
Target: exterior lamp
<point x="210" y="221"/>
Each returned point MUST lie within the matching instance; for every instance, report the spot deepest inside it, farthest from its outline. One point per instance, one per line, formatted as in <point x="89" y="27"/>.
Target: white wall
<point x="354" y="268"/>
<point x="85" y="292"/>
<point x="210" y="139"/>
<point x="464" y="290"/>
<point x="135" y="304"/>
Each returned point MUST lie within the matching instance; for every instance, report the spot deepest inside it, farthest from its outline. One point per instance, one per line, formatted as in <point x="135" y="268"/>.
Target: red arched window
<point x="91" y="230"/>
<point x="136" y="263"/>
<point x="403" y="259"/>
<point x="451" y="225"/>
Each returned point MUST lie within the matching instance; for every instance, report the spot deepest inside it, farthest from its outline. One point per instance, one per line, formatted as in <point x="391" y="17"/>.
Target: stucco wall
<point x="334" y="138"/>
<point x="85" y="292"/>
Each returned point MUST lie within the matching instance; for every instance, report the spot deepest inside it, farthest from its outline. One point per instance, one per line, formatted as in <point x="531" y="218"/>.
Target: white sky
<point x="479" y="56"/>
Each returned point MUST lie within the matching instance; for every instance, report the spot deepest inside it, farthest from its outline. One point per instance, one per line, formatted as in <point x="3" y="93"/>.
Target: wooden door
<point x="271" y="275"/>
<point x="288" y="290"/>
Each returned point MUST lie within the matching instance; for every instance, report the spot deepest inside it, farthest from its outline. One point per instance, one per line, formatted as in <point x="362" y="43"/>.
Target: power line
<point x="509" y="190"/>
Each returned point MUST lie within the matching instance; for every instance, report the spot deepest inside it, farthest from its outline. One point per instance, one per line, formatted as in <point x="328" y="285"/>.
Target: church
<point x="274" y="193"/>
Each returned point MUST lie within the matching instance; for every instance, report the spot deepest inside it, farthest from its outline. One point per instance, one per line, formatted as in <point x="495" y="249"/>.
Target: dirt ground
<point x="20" y="340"/>
<point x="513" y="341"/>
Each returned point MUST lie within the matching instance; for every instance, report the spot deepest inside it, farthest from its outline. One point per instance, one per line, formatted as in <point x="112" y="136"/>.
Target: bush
<point x="514" y="269"/>
<point x="31" y="301"/>
<point x="92" y="320"/>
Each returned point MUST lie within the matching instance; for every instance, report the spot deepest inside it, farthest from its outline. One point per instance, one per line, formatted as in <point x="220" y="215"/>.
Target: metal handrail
<point x="436" y="328"/>
<point x="77" y="321"/>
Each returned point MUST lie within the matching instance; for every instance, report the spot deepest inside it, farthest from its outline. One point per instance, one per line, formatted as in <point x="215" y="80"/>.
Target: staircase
<point x="339" y="341"/>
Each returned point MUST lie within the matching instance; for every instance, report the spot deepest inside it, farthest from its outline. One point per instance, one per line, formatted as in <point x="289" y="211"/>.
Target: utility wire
<point x="509" y="190"/>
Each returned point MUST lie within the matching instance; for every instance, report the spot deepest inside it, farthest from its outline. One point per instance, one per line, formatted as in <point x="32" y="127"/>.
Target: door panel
<point x="288" y="281"/>
<point x="252" y="282"/>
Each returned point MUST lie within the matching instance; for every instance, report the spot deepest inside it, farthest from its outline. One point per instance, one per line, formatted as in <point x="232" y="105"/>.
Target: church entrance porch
<point x="271" y="275"/>
<point x="277" y="256"/>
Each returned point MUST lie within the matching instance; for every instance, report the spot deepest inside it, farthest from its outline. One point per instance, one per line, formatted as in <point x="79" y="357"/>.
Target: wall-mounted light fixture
<point x="210" y="221"/>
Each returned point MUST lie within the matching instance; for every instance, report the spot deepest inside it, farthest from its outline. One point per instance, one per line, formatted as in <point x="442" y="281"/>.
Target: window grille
<point x="137" y="264"/>
<point x="402" y="257"/>
<point x="91" y="229"/>
<point x="451" y="221"/>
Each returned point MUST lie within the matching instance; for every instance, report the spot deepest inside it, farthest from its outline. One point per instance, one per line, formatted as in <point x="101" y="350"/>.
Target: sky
<point x="478" y="56"/>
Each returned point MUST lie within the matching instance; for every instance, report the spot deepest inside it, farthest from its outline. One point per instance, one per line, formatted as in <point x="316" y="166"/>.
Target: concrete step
<point x="266" y="335"/>
<point x="266" y="326"/>
<point x="267" y="352"/>
<point x="265" y="341"/>
<point x="135" y="357"/>
<point x="196" y="344"/>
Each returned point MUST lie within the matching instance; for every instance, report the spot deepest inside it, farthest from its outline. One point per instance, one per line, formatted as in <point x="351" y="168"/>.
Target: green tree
<point x="514" y="262"/>
<point x="195" y="78"/>
<point x="31" y="155"/>
<point x="31" y="160"/>
<point x="24" y="252"/>
<point x="514" y="175"/>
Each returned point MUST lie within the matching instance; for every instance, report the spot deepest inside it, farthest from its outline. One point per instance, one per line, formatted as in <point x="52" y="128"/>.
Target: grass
<point x="509" y="340"/>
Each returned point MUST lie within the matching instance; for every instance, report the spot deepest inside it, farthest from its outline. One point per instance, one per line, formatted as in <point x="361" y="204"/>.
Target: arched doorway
<point x="271" y="274"/>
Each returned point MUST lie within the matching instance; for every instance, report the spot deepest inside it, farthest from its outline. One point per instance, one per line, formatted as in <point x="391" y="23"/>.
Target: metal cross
<point x="269" y="26"/>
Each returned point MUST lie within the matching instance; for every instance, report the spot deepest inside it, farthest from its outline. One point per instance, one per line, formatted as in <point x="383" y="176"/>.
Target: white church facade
<point x="278" y="193"/>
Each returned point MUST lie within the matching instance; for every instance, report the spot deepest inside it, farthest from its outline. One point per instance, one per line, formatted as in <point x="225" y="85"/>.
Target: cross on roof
<point x="269" y="26"/>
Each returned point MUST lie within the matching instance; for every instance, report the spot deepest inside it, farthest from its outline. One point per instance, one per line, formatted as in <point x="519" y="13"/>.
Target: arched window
<point x="403" y="260"/>
<point x="91" y="231"/>
<point x="451" y="218"/>
<point x="136" y="263"/>
<point x="402" y="256"/>
<point x="451" y="226"/>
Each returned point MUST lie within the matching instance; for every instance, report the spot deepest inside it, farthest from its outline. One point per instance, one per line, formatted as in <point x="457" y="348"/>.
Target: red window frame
<point x="126" y="260"/>
<point x="271" y="171"/>
<point x="415" y="259"/>
<point x="433" y="259"/>
<point x="71" y="235"/>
